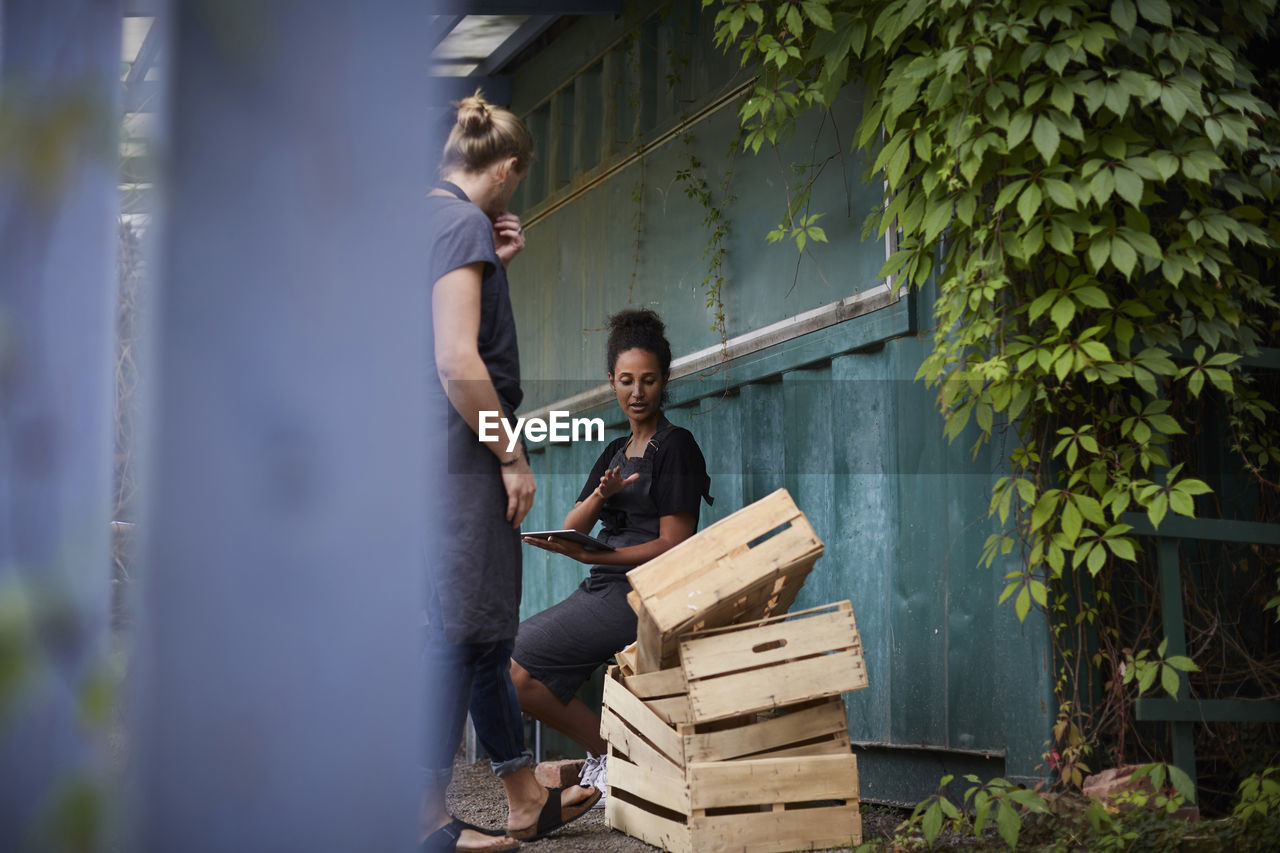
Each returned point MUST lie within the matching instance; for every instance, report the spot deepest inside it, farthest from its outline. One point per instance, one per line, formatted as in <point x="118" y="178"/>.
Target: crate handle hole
<point x="769" y="646"/>
<point x="767" y="535"/>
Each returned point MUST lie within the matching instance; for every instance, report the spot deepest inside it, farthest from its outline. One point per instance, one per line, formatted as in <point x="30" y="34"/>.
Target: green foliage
<point x="1092" y="185"/>
<point x="692" y="178"/>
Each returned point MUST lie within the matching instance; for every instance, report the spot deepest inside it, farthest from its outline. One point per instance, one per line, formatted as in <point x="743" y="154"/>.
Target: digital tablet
<point x="589" y="542"/>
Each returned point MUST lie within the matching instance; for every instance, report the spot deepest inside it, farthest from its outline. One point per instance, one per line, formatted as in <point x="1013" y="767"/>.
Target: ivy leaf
<point x="932" y="823"/>
<point x="1122" y="548"/>
<point x="1071" y="522"/>
<point x="1169" y="681"/>
<point x="1157" y="508"/>
<point x="1061" y="193"/>
<point x="1123" y="256"/>
<point x="1062" y="313"/>
<point x="1156" y="11"/>
<point x="1102" y="185"/>
<point x="1008" y="824"/>
<point x="1128" y="185"/>
<point x="1123" y="15"/>
<point x="1029" y="203"/>
<point x="1019" y="127"/>
<point x="1046" y="137"/>
<point x="818" y="13"/>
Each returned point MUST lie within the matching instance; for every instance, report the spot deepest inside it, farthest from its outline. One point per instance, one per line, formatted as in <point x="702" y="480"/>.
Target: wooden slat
<point x="670" y="835"/>
<point x="714" y="583"/>
<point x="640" y="752"/>
<point x="776" y="832"/>
<point x="774" y="687"/>
<point x="627" y="660"/>
<point x="707" y="657"/>
<point x="655" y="685"/>
<point x="775" y="733"/>
<point x="837" y="744"/>
<point x="648" y="644"/>
<point x="763" y="781"/>
<point x="634" y="779"/>
<point x="766" y="597"/>
<point x="673" y="710"/>
<point x="636" y="715"/>
<point x="668" y="570"/>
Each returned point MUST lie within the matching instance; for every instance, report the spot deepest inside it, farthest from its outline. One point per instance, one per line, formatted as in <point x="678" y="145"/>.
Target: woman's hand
<point x="508" y="237"/>
<point x="562" y="546"/>
<point x="612" y="483"/>
<point x="518" y="480"/>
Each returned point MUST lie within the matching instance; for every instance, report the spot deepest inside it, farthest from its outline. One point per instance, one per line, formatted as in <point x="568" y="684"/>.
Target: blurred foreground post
<point x="59" y="74"/>
<point x="276" y="665"/>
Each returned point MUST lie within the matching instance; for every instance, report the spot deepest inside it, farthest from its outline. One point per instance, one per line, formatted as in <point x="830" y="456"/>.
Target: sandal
<point x="445" y="839"/>
<point x="553" y="816"/>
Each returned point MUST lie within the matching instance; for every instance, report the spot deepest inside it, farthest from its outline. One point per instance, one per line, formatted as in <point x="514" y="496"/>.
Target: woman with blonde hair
<point x="484" y="491"/>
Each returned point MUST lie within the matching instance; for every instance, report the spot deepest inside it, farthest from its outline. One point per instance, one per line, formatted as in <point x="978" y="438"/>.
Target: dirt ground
<point x="476" y="797"/>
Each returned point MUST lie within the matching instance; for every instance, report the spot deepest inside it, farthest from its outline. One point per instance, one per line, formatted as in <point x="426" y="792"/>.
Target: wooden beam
<point x="1207" y="711"/>
<point x="1211" y="529"/>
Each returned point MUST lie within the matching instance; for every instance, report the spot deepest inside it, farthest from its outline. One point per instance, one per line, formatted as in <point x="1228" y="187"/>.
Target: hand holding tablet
<point x="590" y="543"/>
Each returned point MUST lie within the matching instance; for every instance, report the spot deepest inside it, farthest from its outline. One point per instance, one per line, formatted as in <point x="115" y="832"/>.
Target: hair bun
<point x="637" y="321"/>
<point x="474" y="115"/>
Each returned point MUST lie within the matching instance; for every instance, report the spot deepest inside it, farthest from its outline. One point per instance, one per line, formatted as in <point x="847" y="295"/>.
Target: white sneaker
<point x="593" y="775"/>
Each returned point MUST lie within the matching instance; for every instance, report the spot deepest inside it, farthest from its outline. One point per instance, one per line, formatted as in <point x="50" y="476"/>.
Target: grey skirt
<point x="563" y="645"/>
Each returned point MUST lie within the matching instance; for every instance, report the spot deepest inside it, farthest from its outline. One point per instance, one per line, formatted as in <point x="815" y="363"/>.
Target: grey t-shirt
<point x="474" y="565"/>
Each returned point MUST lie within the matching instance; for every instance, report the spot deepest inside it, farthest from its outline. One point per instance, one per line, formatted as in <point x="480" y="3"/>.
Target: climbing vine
<point x="1091" y="186"/>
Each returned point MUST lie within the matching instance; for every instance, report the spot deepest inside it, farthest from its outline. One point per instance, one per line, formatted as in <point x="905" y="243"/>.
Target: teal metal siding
<point x="834" y="415"/>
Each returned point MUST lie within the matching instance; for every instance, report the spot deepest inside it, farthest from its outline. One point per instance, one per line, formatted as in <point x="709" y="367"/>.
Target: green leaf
<point x="1182" y="504"/>
<point x="1019" y="127"/>
<point x="1157" y="508"/>
<point x="1071" y="522"/>
<point x="932" y="823"/>
<point x="936" y="220"/>
<point x="1029" y="203"/>
<point x="1061" y="193"/>
<point x="1124" y="15"/>
<point x="1062" y="313"/>
<point x="1022" y="604"/>
<point x="1156" y="11"/>
<point x="1123" y="256"/>
<point x="1193" y="487"/>
<point x="1128" y="185"/>
<point x="1182" y="783"/>
<point x="1046" y="138"/>
<point x="818" y="13"/>
<point x="1122" y="548"/>
<point x="1169" y="681"/>
<point x="1008" y="823"/>
<point x="1102" y="185"/>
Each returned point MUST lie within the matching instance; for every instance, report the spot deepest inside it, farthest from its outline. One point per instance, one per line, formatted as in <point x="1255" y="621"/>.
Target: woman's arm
<point x="586" y="512"/>
<point x="672" y="530"/>
<point x="455" y="311"/>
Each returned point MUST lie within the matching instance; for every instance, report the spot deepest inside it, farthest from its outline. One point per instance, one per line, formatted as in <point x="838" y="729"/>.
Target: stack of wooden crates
<point x="725" y="722"/>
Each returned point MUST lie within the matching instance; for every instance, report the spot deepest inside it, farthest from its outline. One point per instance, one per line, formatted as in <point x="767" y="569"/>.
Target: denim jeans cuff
<point x="511" y="765"/>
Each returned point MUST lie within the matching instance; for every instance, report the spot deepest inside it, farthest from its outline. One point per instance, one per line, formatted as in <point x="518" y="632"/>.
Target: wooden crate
<point x="772" y="662"/>
<point x="757" y="782"/>
<point x="747" y="566"/>
<point x="654" y="729"/>
<point x="763" y="805"/>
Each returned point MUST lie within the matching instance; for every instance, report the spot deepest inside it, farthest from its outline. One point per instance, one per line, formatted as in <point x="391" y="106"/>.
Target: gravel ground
<point x="476" y="797"/>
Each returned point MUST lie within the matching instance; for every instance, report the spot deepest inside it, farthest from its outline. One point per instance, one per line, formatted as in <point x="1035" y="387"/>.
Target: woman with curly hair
<point x="646" y="488"/>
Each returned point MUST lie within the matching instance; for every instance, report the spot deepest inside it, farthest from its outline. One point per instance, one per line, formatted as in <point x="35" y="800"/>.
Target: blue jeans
<point x="476" y="675"/>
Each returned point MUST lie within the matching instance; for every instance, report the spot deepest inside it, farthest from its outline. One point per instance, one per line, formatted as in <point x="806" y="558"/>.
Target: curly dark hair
<point x="639" y="328"/>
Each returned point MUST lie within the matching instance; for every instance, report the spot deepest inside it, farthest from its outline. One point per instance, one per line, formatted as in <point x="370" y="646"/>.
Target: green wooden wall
<point x="957" y="684"/>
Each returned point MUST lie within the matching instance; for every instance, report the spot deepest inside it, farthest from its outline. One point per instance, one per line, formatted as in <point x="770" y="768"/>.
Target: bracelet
<point x="513" y="460"/>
